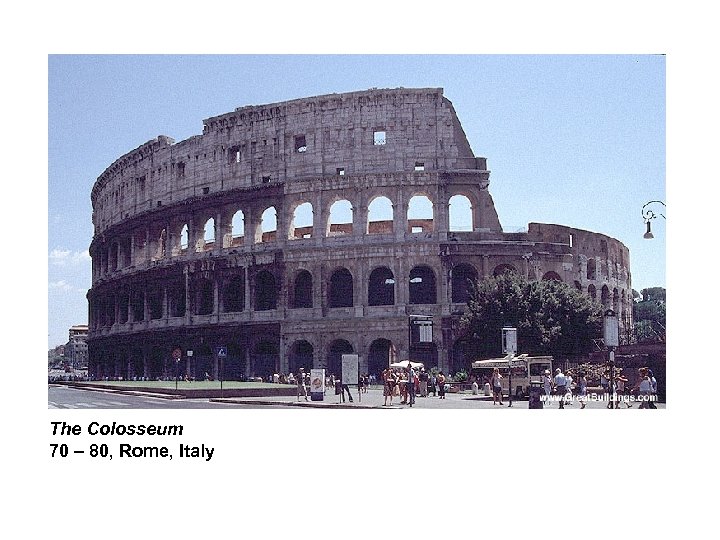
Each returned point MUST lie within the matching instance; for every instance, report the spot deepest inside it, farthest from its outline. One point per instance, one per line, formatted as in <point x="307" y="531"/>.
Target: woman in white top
<point x="547" y="384"/>
<point x="643" y="387"/>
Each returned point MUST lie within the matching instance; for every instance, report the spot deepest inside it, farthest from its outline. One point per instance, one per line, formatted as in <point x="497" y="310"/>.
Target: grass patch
<point x="185" y="385"/>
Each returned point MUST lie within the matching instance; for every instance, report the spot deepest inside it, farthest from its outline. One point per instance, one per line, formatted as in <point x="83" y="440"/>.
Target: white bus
<point x="525" y="369"/>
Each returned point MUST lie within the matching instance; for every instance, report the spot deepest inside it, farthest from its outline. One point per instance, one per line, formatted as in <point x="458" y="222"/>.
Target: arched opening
<point x="578" y="286"/>
<point x="301" y="356"/>
<point x="460" y="213"/>
<point x="301" y="225"/>
<point x="616" y="301"/>
<point x="551" y="276"/>
<point x="154" y="300"/>
<point x="591" y="269"/>
<point x="176" y="298"/>
<point x="238" y="228"/>
<point x="234" y="294"/>
<point x="605" y="297"/>
<point x="302" y="290"/>
<point x="184" y="238"/>
<point x="420" y="214"/>
<point x="340" y="293"/>
<point x="380" y="356"/>
<point x="463" y="278"/>
<point x="503" y="269"/>
<point x="334" y="357"/>
<point x="234" y="364"/>
<point x="123" y="303"/>
<point x="422" y="285"/>
<point x="264" y="360"/>
<point x="592" y="292"/>
<point x="204" y="297"/>
<point x="381" y="287"/>
<point x="266" y="292"/>
<point x="380" y="216"/>
<point x="268" y="225"/>
<point x="209" y="232"/>
<point x="341" y="218"/>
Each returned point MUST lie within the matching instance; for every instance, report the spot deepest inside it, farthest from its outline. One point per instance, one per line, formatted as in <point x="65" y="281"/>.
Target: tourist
<point x="410" y="384"/>
<point x="547" y="384"/>
<point x="560" y="387"/>
<point x="301" y="387"/>
<point x="423" y="378"/>
<point x="643" y="386"/>
<point x="389" y="382"/>
<point x="582" y="390"/>
<point x="496" y="385"/>
<point x="440" y="380"/>
<point x="653" y="390"/>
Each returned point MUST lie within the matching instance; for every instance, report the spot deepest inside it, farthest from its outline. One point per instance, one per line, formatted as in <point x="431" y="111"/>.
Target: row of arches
<point x="262" y="291"/>
<point x="255" y="226"/>
<point x="380" y="219"/>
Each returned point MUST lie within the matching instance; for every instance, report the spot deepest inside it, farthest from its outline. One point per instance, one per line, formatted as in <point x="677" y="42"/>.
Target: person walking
<point x="560" y="387"/>
<point x="389" y="382"/>
<point x="411" y="384"/>
<point x="622" y="396"/>
<point x="643" y="387"/>
<point x="441" y="384"/>
<point x="496" y="384"/>
<point x="301" y="385"/>
<point x="547" y="385"/>
<point x="582" y="390"/>
<point x="653" y="390"/>
<point x="423" y="382"/>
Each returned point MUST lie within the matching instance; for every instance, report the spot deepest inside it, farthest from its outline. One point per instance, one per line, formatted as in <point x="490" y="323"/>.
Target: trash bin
<point x="475" y="389"/>
<point x="536" y="390"/>
<point x="486" y="389"/>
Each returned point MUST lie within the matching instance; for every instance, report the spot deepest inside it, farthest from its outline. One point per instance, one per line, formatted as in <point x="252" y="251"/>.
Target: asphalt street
<point x="63" y="397"/>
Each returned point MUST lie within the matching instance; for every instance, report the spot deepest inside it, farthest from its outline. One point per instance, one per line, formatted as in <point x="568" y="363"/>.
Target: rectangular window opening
<point x="300" y="144"/>
<point x="379" y="138"/>
<point x="419" y="166"/>
<point x="266" y="178"/>
<point x="340" y="171"/>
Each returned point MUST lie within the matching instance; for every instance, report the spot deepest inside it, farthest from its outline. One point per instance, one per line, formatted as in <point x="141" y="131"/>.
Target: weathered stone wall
<point x="175" y="266"/>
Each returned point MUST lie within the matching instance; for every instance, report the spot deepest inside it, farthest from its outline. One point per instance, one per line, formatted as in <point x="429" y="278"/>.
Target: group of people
<point x="617" y="391"/>
<point x="409" y="382"/>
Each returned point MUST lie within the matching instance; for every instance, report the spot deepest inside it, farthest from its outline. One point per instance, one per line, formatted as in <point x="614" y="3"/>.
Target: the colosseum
<point x="291" y="233"/>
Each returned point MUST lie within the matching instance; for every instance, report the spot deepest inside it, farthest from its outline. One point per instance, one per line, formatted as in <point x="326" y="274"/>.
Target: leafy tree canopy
<point x="551" y="317"/>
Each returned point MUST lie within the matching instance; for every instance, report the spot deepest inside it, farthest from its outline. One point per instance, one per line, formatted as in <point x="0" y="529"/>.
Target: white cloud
<point x="64" y="257"/>
<point x="61" y="285"/>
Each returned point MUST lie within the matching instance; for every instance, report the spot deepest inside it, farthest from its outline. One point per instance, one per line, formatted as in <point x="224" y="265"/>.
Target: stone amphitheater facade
<point x="230" y="244"/>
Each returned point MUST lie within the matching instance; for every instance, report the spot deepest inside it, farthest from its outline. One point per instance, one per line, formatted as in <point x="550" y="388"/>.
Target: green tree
<point x="649" y="314"/>
<point x="550" y="316"/>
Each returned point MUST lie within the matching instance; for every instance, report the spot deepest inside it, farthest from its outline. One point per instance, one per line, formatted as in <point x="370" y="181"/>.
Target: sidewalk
<point x="372" y="399"/>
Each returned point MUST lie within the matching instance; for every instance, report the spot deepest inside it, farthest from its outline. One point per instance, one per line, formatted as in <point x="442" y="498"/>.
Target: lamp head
<point x="648" y="234"/>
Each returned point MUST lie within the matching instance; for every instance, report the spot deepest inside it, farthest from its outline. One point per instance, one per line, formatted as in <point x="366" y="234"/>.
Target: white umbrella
<point x="404" y="364"/>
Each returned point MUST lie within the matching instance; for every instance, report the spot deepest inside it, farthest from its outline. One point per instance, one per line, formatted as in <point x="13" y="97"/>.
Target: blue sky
<point x="577" y="140"/>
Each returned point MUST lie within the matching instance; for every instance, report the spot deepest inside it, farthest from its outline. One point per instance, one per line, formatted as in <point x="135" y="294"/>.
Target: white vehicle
<point x="525" y="369"/>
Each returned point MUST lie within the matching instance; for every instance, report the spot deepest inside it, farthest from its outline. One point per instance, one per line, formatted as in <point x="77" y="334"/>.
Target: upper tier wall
<point x="360" y="132"/>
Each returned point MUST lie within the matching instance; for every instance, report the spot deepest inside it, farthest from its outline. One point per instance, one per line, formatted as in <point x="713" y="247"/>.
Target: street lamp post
<point x="610" y="334"/>
<point x="648" y="215"/>
<point x="509" y="346"/>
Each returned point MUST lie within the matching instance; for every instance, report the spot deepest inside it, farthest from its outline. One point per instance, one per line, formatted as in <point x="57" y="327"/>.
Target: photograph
<point x="348" y="231"/>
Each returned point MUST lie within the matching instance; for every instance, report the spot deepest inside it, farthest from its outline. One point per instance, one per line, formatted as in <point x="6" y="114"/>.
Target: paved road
<point x="63" y="397"/>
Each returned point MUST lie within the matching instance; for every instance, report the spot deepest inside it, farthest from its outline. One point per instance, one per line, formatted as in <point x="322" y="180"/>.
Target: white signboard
<point x="509" y="340"/>
<point x="350" y="366"/>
